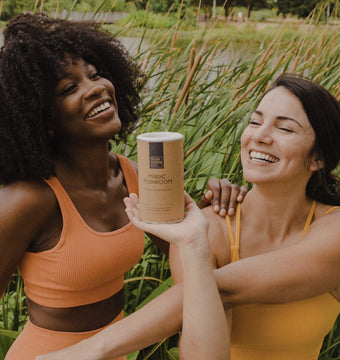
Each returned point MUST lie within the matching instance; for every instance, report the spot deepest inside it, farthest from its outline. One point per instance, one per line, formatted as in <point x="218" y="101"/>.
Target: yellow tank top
<point x="288" y="331"/>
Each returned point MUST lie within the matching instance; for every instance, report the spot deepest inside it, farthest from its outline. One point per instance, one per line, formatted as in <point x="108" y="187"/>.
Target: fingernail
<point x="240" y="198"/>
<point x="223" y="212"/>
<point x="216" y="208"/>
<point x="231" y="211"/>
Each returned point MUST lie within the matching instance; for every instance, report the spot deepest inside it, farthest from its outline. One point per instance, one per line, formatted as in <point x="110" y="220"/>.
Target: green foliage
<point x="13" y="313"/>
<point x="14" y="7"/>
<point x="149" y="20"/>
<point x="212" y="107"/>
<point x="301" y="8"/>
<point x="210" y="104"/>
<point x="262" y="15"/>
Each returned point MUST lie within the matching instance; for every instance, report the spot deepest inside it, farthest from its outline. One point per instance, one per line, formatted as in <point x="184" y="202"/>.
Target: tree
<point x="301" y="8"/>
<point x="250" y="4"/>
<point x="228" y="4"/>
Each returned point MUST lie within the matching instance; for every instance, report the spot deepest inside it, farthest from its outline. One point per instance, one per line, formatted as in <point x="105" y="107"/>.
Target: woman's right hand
<point x="192" y="228"/>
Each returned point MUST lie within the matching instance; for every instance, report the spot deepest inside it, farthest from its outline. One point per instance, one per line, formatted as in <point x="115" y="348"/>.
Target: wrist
<point x="195" y="253"/>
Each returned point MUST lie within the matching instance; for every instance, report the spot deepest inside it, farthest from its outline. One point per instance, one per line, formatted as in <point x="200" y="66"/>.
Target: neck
<point x="276" y="211"/>
<point x="86" y="166"/>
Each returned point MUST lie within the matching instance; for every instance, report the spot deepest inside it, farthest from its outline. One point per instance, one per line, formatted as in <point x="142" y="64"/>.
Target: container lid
<point x="160" y="136"/>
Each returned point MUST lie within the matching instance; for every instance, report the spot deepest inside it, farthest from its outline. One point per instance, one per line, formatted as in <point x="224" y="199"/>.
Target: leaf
<point x="133" y="356"/>
<point x="165" y="286"/>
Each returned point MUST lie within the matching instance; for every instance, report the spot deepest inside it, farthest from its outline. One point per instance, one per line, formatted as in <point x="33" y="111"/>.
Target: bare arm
<point x="300" y="271"/>
<point x="21" y="219"/>
<point x="306" y="269"/>
<point x="301" y="267"/>
<point x="204" y="333"/>
<point x="157" y="320"/>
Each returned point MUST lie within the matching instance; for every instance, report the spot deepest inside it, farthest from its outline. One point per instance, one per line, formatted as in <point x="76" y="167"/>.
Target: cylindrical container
<point x="161" y="176"/>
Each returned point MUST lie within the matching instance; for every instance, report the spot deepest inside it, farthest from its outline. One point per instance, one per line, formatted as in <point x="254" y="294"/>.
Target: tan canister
<point x="161" y="176"/>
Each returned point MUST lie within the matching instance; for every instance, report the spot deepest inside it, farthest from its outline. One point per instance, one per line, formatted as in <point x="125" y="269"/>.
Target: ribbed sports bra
<point x="288" y="331"/>
<point x="85" y="266"/>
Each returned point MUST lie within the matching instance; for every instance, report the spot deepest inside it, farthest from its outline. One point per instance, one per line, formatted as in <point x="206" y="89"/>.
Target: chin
<point x="255" y="178"/>
<point x="116" y="127"/>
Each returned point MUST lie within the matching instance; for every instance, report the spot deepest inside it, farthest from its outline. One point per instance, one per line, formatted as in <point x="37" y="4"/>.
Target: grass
<point x="191" y="90"/>
<point x="202" y="84"/>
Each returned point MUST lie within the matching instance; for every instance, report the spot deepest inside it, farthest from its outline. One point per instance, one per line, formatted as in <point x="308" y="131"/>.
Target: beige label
<point x="161" y="177"/>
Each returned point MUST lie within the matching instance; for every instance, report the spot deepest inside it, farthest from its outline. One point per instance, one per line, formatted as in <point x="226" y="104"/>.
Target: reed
<point x="197" y="84"/>
<point x="209" y="100"/>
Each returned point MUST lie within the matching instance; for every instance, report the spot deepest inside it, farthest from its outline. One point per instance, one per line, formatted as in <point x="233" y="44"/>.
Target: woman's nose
<point x="263" y="134"/>
<point x="94" y="89"/>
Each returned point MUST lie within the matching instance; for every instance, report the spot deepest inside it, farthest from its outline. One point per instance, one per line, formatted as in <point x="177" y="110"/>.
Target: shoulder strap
<point x="234" y="242"/>
<point x="130" y="174"/>
<point x="331" y="209"/>
<point x="309" y="218"/>
<point x="60" y="193"/>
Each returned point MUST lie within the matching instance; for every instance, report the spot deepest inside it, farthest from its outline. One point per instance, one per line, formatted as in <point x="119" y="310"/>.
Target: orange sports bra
<point x="85" y="266"/>
<point x="288" y="331"/>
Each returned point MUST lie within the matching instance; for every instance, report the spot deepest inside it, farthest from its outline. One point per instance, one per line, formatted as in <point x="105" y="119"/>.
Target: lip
<point x="98" y="103"/>
<point x="275" y="158"/>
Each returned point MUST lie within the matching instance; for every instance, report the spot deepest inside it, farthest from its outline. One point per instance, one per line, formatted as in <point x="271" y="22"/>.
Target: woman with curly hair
<point x="67" y="89"/>
<point x="62" y="213"/>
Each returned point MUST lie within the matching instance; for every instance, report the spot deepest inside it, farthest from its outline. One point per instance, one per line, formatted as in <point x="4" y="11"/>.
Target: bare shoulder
<point x="26" y="193"/>
<point x="218" y="237"/>
<point x="26" y="203"/>
<point x="24" y="209"/>
<point x="327" y="221"/>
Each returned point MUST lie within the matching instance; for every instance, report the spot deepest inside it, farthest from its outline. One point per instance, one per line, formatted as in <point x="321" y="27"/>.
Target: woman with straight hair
<point x="277" y="259"/>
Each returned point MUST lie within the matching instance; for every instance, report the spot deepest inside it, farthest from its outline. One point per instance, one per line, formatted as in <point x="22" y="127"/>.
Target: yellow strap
<point x="331" y="209"/>
<point x="234" y="242"/>
<point x="309" y="218"/>
<point x="238" y="225"/>
<point x="230" y="231"/>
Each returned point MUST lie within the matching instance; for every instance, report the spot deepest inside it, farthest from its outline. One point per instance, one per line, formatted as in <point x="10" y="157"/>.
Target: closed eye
<point x="286" y="130"/>
<point x="95" y="76"/>
<point x="253" y="122"/>
<point x="69" y="89"/>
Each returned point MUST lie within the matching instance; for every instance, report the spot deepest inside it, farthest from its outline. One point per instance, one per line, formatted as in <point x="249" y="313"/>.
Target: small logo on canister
<point x="156" y="155"/>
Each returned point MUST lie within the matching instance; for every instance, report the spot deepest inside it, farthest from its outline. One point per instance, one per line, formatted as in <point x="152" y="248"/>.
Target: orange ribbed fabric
<point x="85" y="266"/>
<point x="288" y="331"/>
<point x="34" y="341"/>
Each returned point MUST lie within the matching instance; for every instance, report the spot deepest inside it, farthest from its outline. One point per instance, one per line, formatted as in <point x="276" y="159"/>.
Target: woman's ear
<point x="316" y="164"/>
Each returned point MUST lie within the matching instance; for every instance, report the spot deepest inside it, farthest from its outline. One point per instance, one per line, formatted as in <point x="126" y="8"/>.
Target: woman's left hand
<point x="189" y="230"/>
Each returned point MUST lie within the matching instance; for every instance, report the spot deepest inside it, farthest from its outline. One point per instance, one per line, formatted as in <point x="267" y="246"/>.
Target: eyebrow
<point x="67" y="74"/>
<point x="258" y="112"/>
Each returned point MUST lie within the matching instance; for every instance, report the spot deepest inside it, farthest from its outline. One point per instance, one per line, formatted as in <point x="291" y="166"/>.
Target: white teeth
<point x="99" y="108"/>
<point x="264" y="157"/>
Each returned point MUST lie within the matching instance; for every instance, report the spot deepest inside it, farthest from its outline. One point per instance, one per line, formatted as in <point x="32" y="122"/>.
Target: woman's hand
<point x="188" y="231"/>
<point x="222" y="195"/>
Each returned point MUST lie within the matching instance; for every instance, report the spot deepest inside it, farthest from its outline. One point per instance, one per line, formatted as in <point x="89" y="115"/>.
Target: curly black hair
<point x="34" y="53"/>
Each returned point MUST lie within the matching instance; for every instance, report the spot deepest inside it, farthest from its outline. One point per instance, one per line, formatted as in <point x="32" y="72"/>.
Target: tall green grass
<point x="191" y="89"/>
<point x="201" y="84"/>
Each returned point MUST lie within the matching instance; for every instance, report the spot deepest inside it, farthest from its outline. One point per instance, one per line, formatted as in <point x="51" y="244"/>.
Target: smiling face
<point x="85" y="103"/>
<point x="276" y="145"/>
